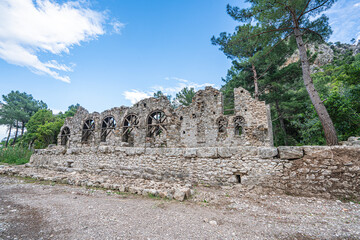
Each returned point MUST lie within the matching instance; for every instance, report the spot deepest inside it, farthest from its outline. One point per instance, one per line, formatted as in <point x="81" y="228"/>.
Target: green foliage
<point x="340" y="87"/>
<point x="268" y="25"/>
<point x="159" y="94"/>
<point x="44" y="127"/>
<point x="17" y="110"/>
<point x="20" y="106"/>
<point x="264" y="37"/>
<point x="184" y="97"/>
<point x="15" y="155"/>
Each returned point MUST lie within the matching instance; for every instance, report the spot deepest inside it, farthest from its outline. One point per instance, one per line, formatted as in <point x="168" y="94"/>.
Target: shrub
<point x="15" y="155"/>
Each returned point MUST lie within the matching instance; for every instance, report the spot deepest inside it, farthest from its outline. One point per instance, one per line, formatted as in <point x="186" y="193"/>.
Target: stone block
<point x="353" y="139"/>
<point x="173" y="152"/>
<point x="139" y="150"/>
<point x="268" y="152"/>
<point x="319" y="152"/>
<point x="179" y="195"/>
<point x="225" y="152"/>
<point x="103" y="149"/>
<point x="190" y="152"/>
<point x="151" y="151"/>
<point x="249" y="151"/>
<point x="287" y="152"/>
<point x="207" y="152"/>
<point x="130" y="151"/>
<point x="76" y="150"/>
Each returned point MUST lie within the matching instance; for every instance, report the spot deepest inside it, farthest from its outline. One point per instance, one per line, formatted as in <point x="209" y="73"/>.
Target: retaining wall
<point x="308" y="171"/>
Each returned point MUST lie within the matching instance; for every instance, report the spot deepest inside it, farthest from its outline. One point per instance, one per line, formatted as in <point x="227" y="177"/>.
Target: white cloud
<point x="176" y="78"/>
<point x="28" y="28"/>
<point x="3" y="132"/>
<point x="57" y="111"/>
<point x="137" y="95"/>
<point x="344" y="20"/>
<point x="117" y="26"/>
<point x="134" y="95"/>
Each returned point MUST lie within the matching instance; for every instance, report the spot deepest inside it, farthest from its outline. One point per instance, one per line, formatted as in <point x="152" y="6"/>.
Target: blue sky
<point x="103" y="54"/>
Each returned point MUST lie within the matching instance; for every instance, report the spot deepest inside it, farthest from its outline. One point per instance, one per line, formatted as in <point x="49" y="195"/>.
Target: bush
<point x="15" y="155"/>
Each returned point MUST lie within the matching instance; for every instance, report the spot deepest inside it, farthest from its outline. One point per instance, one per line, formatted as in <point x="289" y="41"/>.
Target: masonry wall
<point x="153" y="122"/>
<point x="310" y="171"/>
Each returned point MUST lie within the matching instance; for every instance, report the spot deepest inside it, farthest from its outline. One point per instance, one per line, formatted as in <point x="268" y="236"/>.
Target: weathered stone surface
<point x="179" y="195"/>
<point x="224" y="152"/>
<point x="190" y="153"/>
<point x="287" y="152"/>
<point x="154" y="123"/>
<point x="353" y="139"/>
<point x="208" y="152"/>
<point x="322" y="152"/>
<point x="268" y="152"/>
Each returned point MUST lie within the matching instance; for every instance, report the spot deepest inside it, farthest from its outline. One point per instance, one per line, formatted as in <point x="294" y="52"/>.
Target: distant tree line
<point x="20" y="112"/>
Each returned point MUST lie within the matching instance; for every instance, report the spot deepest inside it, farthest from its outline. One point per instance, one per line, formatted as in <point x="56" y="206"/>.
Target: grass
<point x="350" y="199"/>
<point x="15" y="155"/>
<point x="150" y="195"/>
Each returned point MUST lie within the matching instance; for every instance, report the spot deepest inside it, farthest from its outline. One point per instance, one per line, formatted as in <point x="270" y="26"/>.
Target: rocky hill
<point x="325" y="53"/>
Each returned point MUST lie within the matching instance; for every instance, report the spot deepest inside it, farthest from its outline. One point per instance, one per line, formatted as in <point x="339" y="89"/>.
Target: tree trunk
<point x="8" y="137"/>
<point x="255" y="82"/>
<point x="281" y="119"/>
<point x="22" y="128"/>
<point x="31" y="144"/>
<point x="16" y="132"/>
<point x="327" y="124"/>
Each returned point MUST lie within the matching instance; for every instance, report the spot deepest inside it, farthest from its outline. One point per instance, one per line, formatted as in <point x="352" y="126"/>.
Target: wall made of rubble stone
<point x="310" y="171"/>
<point x="196" y="125"/>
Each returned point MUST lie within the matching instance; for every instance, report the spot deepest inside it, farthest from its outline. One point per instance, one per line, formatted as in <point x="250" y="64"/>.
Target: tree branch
<point x="302" y="12"/>
<point x="307" y="29"/>
<point x="316" y="7"/>
<point x="278" y="44"/>
<point x="267" y="69"/>
<point x="274" y="30"/>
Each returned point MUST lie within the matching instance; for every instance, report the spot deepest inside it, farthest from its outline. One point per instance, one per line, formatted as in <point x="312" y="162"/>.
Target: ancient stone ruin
<point x="153" y="122"/>
<point x="151" y="146"/>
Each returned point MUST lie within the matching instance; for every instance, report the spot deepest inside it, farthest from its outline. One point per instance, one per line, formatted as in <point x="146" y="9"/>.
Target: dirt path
<point x="37" y="211"/>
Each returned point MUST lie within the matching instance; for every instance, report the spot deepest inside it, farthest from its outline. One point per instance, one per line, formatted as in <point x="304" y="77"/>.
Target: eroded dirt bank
<point x="38" y="211"/>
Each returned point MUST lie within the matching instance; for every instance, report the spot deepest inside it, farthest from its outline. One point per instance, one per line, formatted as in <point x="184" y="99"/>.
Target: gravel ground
<point x="40" y="211"/>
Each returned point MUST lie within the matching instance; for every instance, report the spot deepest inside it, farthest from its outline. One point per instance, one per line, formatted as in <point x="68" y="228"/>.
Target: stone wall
<point x="310" y="171"/>
<point x="153" y="122"/>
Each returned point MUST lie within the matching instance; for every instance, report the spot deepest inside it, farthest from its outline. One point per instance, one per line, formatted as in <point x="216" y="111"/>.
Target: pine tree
<point x="281" y="18"/>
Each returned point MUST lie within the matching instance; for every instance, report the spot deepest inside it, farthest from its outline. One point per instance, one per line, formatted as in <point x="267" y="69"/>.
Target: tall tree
<point x="249" y="53"/>
<point x="18" y="108"/>
<point x="282" y="18"/>
<point x="185" y="96"/>
<point x="7" y="118"/>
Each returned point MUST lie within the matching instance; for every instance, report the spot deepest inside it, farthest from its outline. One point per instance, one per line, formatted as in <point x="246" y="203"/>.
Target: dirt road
<point x="38" y="211"/>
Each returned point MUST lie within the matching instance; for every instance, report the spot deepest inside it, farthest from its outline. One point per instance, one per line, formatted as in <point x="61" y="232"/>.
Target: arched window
<point x="107" y="127"/>
<point x="239" y="123"/>
<point x="156" y="123"/>
<point x="131" y="121"/>
<point x="222" y="124"/>
<point x="88" y="130"/>
<point x="65" y="136"/>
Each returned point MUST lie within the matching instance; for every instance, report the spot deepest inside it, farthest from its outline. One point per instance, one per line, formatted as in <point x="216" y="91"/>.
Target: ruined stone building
<point x="153" y="122"/>
<point x="198" y="144"/>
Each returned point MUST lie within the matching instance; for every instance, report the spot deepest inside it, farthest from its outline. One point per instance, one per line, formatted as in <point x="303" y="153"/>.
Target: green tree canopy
<point x="185" y="96"/>
<point x="17" y="110"/>
<point x="280" y="19"/>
